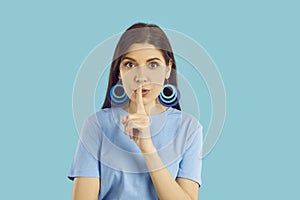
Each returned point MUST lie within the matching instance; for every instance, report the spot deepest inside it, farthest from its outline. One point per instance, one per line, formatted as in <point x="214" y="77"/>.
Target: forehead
<point x="143" y="51"/>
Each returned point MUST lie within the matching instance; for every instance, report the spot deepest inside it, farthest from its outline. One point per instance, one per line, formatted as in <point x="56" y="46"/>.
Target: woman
<point x="140" y="145"/>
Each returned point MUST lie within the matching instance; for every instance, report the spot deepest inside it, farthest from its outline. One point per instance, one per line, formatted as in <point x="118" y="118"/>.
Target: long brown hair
<point x="140" y="33"/>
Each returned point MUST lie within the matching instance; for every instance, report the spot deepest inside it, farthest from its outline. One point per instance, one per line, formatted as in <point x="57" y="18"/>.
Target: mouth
<point x="144" y="92"/>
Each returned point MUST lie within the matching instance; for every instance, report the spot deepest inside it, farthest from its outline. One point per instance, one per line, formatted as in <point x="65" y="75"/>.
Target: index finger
<point x="139" y="101"/>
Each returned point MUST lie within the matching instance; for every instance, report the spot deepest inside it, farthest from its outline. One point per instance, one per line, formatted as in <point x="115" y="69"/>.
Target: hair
<point x="140" y="33"/>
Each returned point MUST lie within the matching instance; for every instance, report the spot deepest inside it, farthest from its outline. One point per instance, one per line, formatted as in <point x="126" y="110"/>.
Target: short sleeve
<point x="191" y="163"/>
<point x="86" y="159"/>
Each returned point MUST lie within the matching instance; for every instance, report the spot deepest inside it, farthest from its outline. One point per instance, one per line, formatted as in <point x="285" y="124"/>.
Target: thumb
<point x="124" y="119"/>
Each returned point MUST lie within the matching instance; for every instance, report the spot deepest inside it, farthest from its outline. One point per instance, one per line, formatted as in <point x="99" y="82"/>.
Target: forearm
<point x="85" y="188"/>
<point x="165" y="185"/>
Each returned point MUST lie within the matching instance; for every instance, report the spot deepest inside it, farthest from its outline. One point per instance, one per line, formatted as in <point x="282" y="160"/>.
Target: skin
<point x="85" y="188"/>
<point x="136" y="73"/>
<point x="144" y="67"/>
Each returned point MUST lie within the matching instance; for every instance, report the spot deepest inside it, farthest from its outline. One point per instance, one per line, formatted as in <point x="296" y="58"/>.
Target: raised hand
<point x="137" y="125"/>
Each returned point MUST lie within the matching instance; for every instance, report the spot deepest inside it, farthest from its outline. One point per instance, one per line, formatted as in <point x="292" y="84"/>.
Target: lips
<point x="144" y="91"/>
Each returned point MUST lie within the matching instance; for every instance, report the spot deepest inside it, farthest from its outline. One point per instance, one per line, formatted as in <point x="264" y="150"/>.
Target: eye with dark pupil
<point x="129" y="64"/>
<point x="153" y="64"/>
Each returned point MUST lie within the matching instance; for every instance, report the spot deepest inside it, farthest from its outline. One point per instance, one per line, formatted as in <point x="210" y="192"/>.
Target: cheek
<point x="156" y="90"/>
<point x="128" y="89"/>
<point x="158" y="76"/>
<point x="127" y="83"/>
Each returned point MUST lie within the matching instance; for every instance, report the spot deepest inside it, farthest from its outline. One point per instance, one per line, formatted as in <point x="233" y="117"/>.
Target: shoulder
<point x="99" y="115"/>
<point x="96" y="119"/>
<point x="189" y="127"/>
<point x="105" y="117"/>
<point x="187" y="120"/>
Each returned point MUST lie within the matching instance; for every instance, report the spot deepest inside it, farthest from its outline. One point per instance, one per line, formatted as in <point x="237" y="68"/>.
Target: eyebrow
<point x="155" y="58"/>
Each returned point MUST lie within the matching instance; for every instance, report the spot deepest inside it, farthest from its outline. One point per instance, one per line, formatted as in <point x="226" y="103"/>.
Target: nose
<point x="140" y="76"/>
<point x="140" y="79"/>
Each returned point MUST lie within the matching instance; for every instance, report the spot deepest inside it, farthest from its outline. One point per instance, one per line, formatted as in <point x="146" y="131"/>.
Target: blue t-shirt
<point x="105" y="152"/>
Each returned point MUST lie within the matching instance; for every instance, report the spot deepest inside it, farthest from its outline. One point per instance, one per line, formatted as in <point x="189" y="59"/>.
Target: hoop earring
<point x="170" y="95"/>
<point x="117" y="95"/>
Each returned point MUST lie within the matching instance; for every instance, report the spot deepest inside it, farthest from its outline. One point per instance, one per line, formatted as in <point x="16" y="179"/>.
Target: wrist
<point x="149" y="149"/>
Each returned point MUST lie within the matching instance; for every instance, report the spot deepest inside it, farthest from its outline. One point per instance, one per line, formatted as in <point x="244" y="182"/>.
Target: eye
<point x="153" y="65"/>
<point x="129" y="64"/>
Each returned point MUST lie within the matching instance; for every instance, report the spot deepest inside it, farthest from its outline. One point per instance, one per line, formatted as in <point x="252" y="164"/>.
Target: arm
<point x="85" y="188"/>
<point x="85" y="168"/>
<point x="136" y="125"/>
<point x="165" y="186"/>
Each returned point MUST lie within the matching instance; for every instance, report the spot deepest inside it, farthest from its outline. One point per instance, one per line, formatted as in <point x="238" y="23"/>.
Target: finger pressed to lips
<point x="143" y="89"/>
<point x="143" y="94"/>
<point x="134" y="123"/>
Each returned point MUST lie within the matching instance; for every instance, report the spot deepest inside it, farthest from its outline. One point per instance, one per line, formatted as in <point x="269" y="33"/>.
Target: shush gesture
<point x="137" y="125"/>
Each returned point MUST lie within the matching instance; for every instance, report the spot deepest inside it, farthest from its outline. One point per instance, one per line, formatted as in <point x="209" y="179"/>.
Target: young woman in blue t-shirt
<point x="140" y="145"/>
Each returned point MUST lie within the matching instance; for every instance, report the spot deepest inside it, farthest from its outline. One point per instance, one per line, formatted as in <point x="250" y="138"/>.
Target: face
<point x="144" y="66"/>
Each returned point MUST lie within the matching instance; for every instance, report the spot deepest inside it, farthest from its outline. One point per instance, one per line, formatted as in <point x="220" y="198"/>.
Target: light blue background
<point x="255" y="45"/>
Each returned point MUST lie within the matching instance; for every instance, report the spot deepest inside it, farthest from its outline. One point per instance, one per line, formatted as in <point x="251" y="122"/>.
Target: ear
<point x="169" y="69"/>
